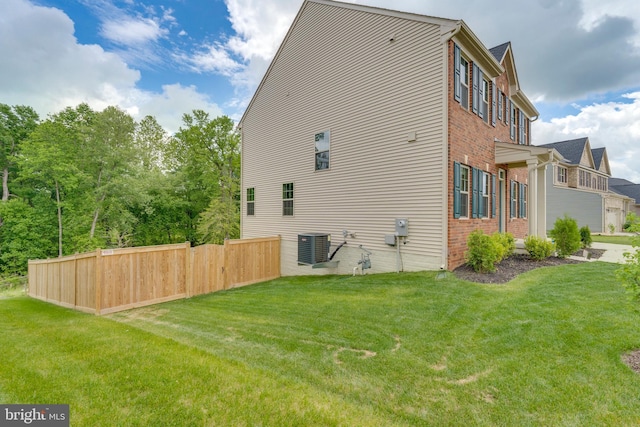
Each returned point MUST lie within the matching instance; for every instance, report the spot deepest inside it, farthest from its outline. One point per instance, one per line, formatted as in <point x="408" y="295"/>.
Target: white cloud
<point x="259" y="25"/>
<point x="212" y="58"/>
<point x="132" y="31"/>
<point x="174" y="101"/>
<point x="614" y="125"/>
<point x="45" y="67"/>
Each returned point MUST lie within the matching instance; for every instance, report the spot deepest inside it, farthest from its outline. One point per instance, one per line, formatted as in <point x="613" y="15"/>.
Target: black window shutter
<point x="512" y="214"/>
<point x="494" y="96"/>
<point x="481" y="111"/>
<point x="456" y="75"/>
<point x="476" y="72"/>
<point x="521" y="198"/>
<point x="476" y="186"/>
<point x="456" y="190"/>
<point x="493" y="196"/>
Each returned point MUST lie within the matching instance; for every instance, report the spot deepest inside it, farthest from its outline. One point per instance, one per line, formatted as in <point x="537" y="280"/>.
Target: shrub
<point x="507" y="241"/>
<point x="612" y="228"/>
<point x="566" y="235"/>
<point x="538" y="247"/>
<point x="483" y="252"/>
<point x="585" y="237"/>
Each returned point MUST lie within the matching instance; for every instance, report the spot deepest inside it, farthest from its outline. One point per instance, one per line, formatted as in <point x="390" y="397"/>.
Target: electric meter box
<point x="402" y="227"/>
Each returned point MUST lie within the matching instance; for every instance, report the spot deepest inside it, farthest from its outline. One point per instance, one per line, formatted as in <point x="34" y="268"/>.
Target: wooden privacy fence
<point x="110" y="280"/>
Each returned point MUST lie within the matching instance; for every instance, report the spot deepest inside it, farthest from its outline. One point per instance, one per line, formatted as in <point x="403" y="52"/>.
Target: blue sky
<point x="577" y="60"/>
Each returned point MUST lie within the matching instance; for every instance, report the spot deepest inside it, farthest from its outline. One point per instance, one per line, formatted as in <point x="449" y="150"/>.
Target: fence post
<point x="98" y="283"/>
<point x="188" y="260"/>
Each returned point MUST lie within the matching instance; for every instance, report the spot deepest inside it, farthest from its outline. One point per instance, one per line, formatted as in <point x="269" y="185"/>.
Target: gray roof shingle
<point x="598" y="154"/>
<point x="499" y="51"/>
<point x="571" y="150"/>
<point x="625" y="187"/>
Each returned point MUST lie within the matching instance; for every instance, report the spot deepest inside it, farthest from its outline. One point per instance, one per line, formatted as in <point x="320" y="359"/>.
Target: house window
<point x="461" y="78"/>
<point x="584" y="179"/>
<point x="461" y="187"/>
<point x="602" y="183"/>
<point x="561" y="175"/>
<point x="322" y="150"/>
<point x="486" y="189"/>
<point x="465" y="175"/>
<point x="287" y="199"/>
<point x="507" y="110"/>
<point x="513" y="122"/>
<point x="522" y="137"/>
<point x="523" y="200"/>
<point x="484" y="100"/>
<point x="500" y="107"/>
<point x="251" y="199"/>
<point x="514" y="199"/>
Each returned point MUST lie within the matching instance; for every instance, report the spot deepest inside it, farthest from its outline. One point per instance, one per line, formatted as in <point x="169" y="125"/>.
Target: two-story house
<point x="396" y="133"/>
<point x="578" y="186"/>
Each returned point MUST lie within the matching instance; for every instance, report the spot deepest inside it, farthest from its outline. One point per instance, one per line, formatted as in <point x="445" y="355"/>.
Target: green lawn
<point x="388" y="349"/>
<point x="618" y="240"/>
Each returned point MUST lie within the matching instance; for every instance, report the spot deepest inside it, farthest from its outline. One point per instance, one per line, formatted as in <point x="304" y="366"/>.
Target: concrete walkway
<point x="613" y="253"/>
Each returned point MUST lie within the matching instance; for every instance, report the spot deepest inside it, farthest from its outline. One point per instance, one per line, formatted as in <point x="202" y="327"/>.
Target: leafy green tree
<point x="108" y="157"/>
<point x="49" y="162"/>
<point x="28" y="232"/>
<point x="16" y="123"/>
<point x="205" y="154"/>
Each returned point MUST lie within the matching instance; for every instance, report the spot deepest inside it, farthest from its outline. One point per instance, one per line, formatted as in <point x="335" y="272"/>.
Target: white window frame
<point x="322" y="150"/>
<point x="485" y="196"/>
<point x="562" y="175"/>
<point x="251" y="201"/>
<point x="465" y="191"/>
<point x="484" y="102"/>
<point x="287" y="199"/>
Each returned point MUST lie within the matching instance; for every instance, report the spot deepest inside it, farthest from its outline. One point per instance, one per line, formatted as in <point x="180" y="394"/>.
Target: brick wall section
<point x="471" y="136"/>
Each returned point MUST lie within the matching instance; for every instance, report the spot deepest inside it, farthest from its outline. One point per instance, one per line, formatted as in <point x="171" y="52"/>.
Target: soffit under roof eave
<point x="471" y="45"/>
<point x="515" y="155"/>
<point x="524" y="104"/>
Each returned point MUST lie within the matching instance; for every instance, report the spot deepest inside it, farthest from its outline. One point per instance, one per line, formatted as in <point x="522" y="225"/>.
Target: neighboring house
<point x="629" y="189"/>
<point x="368" y="117"/>
<point x="579" y="186"/>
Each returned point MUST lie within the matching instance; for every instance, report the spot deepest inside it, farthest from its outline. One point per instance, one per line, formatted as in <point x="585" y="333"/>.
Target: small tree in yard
<point x="566" y="235"/>
<point x="629" y="273"/>
<point x="585" y="237"/>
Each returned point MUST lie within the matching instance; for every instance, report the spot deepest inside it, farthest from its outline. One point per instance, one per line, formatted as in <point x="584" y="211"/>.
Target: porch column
<point x="542" y="201"/>
<point x="533" y="199"/>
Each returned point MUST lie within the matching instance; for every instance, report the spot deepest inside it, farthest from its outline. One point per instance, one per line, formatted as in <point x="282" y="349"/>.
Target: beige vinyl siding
<point x="338" y="71"/>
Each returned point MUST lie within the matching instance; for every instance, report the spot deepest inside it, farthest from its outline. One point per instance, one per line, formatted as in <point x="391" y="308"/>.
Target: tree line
<point x="83" y="179"/>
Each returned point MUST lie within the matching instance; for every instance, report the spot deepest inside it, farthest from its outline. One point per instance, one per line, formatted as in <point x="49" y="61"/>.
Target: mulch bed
<point x="514" y="265"/>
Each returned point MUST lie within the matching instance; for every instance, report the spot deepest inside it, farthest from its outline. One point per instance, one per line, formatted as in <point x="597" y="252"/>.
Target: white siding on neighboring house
<point x="373" y="81"/>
